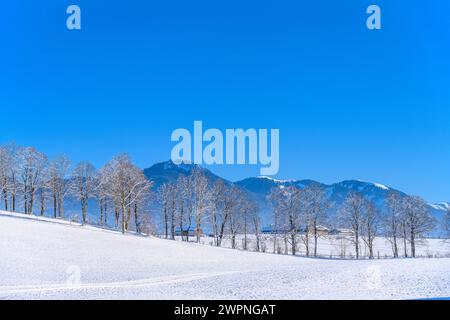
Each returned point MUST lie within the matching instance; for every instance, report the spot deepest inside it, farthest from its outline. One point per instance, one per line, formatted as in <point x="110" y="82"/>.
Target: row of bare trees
<point x="298" y="215"/>
<point x="363" y="218"/>
<point x="29" y="182"/>
<point x="193" y="203"/>
<point x="407" y="218"/>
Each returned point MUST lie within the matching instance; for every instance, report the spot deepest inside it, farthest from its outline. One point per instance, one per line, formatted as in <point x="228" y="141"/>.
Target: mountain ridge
<point x="168" y="171"/>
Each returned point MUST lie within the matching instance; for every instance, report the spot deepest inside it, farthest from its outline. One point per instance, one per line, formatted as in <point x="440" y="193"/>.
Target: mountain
<point x="169" y="172"/>
<point x="263" y="185"/>
<point x="259" y="188"/>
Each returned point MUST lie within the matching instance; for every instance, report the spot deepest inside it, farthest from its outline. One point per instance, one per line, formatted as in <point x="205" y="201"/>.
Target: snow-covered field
<point x="342" y="247"/>
<point x="51" y="259"/>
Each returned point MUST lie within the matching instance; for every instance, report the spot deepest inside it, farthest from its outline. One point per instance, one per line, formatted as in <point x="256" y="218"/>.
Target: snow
<point x="378" y="185"/>
<point x="381" y="186"/>
<point x="442" y="206"/>
<point x="42" y="258"/>
<point x="341" y="246"/>
<point x="275" y="180"/>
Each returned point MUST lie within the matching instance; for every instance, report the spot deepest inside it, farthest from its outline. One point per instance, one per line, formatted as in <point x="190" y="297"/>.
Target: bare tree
<point x="31" y="165"/>
<point x="351" y="215"/>
<point x="59" y="183"/>
<point x="84" y="177"/>
<point x="101" y="193"/>
<point x="249" y="211"/>
<point x="185" y="206"/>
<point x="256" y="220"/>
<point x="44" y="191"/>
<point x="12" y="149"/>
<point x="9" y="166"/>
<point x="218" y="196"/>
<point x="404" y="230"/>
<point x="125" y="184"/>
<point x="42" y="200"/>
<point x="164" y="193"/>
<point x="237" y="208"/>
<point x="141" y="210"/>
<point x="5" y="168"/>
<point x="392" y="221"/>
<point x="167" y="195"/>
<point x="224" y="203"/>
<point x="370" y="225"/>
<point x="201" y="199"/>
<point x="288" y="207"/>
<point x="418" y="220"/>
<point x="316" y="206"/>
<point x="275" y="197"/>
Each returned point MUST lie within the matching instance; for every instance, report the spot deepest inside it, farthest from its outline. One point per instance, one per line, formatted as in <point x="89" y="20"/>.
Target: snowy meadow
<point x="44" y="258"/>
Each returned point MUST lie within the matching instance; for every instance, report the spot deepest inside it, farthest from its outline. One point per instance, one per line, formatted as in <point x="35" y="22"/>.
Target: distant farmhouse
<point x="188" y="231"/>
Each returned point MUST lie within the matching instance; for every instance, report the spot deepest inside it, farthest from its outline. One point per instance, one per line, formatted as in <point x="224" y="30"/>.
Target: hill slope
<point x="44" y="259"/>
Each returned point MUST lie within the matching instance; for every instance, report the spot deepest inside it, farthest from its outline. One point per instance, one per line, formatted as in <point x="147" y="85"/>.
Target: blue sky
<point x="350" y="103"/>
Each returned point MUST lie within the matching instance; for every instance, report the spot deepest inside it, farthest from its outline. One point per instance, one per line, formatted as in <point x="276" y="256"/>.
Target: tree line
<point x="299" y="216"/>
<point x="193" y="204"/>
<point x="406" y="219"/>
<point x="32" y="183"/>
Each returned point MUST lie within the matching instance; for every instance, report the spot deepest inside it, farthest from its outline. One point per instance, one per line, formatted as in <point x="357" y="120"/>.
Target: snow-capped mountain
<point x="263" y="185"/>
<point x="441" y="206"/>
<point x="169" y="172"/>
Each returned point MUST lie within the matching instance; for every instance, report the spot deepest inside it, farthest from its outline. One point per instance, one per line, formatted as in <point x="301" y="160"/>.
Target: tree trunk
<point x="166" y="223"/>
<point x="307" y="242"/>
<point x="42" y="203"/>
<point x="116" y="216"/>
<point x="5" y="196"/>
<point x="136" y="218"/>
<point x="54" y="205"/>
<point x="172" y="225"/>
<point x="404" y="243"/>
<point x="124" y="212"/>
<point x="101" y="212"/>
<point x="286" y="251"/>
<point x="31" y="200"/>
<point x="294" y="244"/>
<point x="60" y="206"/>
<point x="197" y="228"/>
<point x="13" y="202"/>
<point x="370" y="245"/>
<point x="245" y="234"/>
<point x="316" y="237"/>
<point x="395" y="246"/>
<point x="413" y="244"/>
<point x="105" y="211"/>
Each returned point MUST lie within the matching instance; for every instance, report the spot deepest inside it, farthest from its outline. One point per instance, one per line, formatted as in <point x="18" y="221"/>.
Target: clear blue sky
<point x="350" y="103"/>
